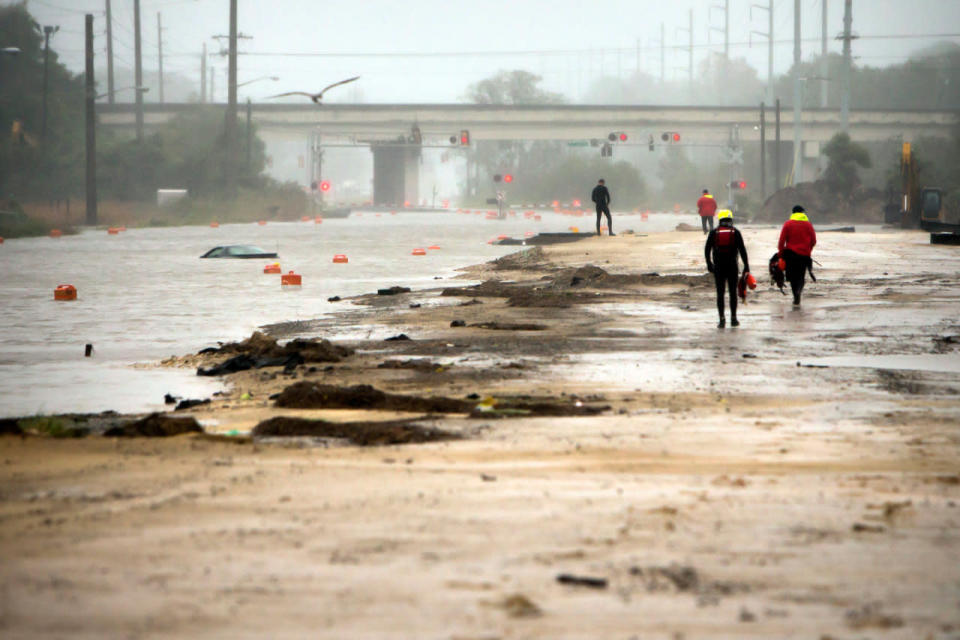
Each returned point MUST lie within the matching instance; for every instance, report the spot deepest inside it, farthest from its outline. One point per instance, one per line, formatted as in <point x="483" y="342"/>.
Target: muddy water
<point x="145" y="295"/>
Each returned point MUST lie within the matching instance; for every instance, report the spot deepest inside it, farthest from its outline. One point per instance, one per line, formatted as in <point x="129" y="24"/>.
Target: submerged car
<point x="239" y="251"/>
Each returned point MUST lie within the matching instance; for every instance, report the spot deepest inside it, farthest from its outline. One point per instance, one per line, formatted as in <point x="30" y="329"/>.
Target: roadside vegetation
<point x="42" y="176"/>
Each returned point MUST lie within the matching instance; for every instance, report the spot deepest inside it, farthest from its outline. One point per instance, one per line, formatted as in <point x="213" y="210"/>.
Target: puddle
<point x="939" y="363"/>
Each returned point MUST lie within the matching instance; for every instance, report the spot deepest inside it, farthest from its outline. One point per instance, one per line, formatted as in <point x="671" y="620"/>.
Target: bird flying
<point x="316" y="97"/>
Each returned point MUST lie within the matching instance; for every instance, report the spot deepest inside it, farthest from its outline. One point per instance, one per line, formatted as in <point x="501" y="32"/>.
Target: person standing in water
<point x="601" y="196"/>
<point x="724" y="245"/>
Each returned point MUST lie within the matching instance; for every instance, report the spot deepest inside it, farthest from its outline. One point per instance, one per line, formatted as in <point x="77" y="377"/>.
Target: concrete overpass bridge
<point x="379" y="125"/>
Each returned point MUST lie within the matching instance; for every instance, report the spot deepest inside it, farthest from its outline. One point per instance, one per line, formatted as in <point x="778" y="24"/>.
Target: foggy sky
<point x="568" y="42"/>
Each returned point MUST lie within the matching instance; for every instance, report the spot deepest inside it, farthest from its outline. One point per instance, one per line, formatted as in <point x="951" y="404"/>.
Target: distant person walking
<point x="797" y="240"/>
<point x="601" y="196"/>
<point x="723" y="246"/>
<point x="706" y="207"/>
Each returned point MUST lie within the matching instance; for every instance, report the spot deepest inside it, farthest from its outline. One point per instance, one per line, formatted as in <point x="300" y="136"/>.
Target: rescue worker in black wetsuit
<point x="601" y="196"/>
<point x="723" y="245"/>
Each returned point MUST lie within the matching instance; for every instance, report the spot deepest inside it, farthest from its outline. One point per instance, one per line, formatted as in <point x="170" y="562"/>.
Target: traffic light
<point x="650" y="144"/>
<point x="507" y="178"/>
<point x="613" y="136"/>
<point x="325" y="185"/>
<point x="464" y="138"/>
<point x="738" y="184"/>
<point x="670" y="136"/>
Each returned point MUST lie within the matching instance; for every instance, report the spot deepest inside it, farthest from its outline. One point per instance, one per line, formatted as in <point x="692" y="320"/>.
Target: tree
<point x="512" y="87"/>
<point x="27" y="168"/>
<point x="845" y="156"/>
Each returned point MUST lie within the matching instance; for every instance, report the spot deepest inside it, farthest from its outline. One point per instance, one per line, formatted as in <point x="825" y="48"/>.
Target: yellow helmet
<point x="724" y="213"/>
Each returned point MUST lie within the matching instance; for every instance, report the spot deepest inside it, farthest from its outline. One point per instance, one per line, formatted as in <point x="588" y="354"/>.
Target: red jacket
<point x="707" y="206"/>
<point x="797" y="236"/>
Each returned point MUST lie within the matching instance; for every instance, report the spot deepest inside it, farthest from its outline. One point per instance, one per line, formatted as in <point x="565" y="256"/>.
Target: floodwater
<point x="144" y="295"/>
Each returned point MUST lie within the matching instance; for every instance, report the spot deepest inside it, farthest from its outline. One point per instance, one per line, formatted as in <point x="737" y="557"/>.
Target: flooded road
<point x="145" y="294"/>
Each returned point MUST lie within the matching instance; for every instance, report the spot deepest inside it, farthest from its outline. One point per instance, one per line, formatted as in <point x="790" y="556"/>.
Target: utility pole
<point x="824" y="67"/>
<point x="47" y="32"/>
<point x="769" y="36"/>
<point x="845" y="94"/>
<point x="726" y="34"/>
<point x="230" y="124"/>
<point x="797" y="98"/>
<point x="776" y="152"/>
<point x="138" y="68"/>
<point x="249" y="134"/>
<point x="691" y="50"/>
<point x="160" y="55"/>
<point x="110" y="89"/>
<point x="203" y="74"/>
<point x="91" y="123"/>
<point x="763" y="153"/>
<point x="663" y="50"/>
<point x="726" y="29"/>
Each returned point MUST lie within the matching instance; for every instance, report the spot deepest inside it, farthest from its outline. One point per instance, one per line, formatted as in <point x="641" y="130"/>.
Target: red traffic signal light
<point x="464" y="137"/>
<point x="623" y="137"/>
<point x="738" y="184"/>
<point x="676" y="137"/>
<point x="325" y="186"/>
<point x="743" y="184"/>
<point x="507" y="178"/>
<point x="670" y="136"/>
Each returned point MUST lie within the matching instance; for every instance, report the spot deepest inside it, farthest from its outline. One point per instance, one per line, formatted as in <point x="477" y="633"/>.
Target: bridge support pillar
<point x="396" y="174"/>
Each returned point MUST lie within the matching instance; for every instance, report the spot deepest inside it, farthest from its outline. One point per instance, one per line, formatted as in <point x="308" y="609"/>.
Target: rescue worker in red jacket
<point x="706" y="207"/>
<point x="797" y="240"/>
<point x="723" y="246"/>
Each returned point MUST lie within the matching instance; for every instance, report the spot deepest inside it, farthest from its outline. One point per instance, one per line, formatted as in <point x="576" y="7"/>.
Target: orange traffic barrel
<point x="261" y="222"/>
<point x="122" y="228"/>
<point x="55" y="233"/>
<point x="290" y="279"/>
<point x="340" y="258"/>
<point x="434" y="247"/>
<point x="305" y="219"/>
<point x="318" y="220"/>
<point x="419" y="252"/>
<point x="214" y="224"/>
<point x="537" y="218"/>
<point x="65" y="292"/>
<point x="273" y="267"/>
<point x="113" y="231"/>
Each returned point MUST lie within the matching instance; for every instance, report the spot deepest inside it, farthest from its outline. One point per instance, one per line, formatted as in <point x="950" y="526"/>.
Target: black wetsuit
<point x="601" y="196"/>
<point x="723" y="246"/>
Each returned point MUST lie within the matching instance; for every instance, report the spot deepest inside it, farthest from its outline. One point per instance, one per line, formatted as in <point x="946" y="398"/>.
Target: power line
<point x="550" y="52"/>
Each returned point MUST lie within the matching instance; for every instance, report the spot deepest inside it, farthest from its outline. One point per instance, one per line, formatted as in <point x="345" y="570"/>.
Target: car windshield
<point x="244" y="250"/>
